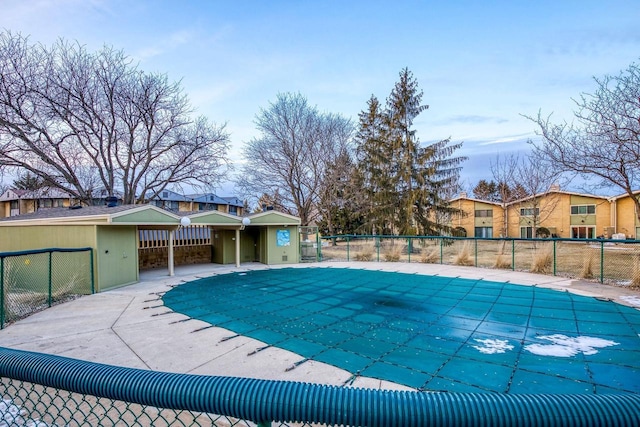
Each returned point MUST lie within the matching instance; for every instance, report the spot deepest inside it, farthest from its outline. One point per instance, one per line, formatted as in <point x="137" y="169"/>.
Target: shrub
<point x="502" y="262"/>
<point x="464" y="256"/>
<point x="364" y="256"/>
<point x="392" y="254"/>
<point x="542" y="259"/>
<point x="543" y="232"/>
<point x="587" y="265"/>
<point x="430" y="256"/>
<point x="365" y="253"/>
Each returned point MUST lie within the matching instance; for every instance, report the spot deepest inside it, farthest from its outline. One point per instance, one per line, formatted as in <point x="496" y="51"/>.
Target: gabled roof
<point x="233" y="201"/>
<point x="42" y="193"/>
<point x="623" y="195"/>
<point x="208" y="198"/>
<point x="142" y="215"/>
<point x="171" y="196"/>
<point x="273" y="218"/>
<point x="546" y="193"/>
<point x="121" y="215"/>
<point x="455" y="199"/>
<point x="213" y="218"/>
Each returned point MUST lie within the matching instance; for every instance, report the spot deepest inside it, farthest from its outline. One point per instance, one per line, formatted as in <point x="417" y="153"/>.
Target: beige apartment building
<point x="562" y="214"/>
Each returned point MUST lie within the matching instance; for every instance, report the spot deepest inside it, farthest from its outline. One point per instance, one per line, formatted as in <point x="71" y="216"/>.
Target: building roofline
<point x="546" y="193"/>
<point x="471" y="199"/>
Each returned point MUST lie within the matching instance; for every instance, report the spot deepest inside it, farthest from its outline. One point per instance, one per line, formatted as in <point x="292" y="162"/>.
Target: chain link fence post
<point x="601" y="261"/>
<point x="93" y="283"/>
<point x="555" y="264"/>
<point x="348" y="244"/>
<point x="50" y="278"/>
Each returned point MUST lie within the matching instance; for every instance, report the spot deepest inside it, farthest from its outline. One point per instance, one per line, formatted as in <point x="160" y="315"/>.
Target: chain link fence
<point x="27" y="404"/>
<point x="607" y="261"/>
<point x="40" y="390"/>
<point x="33" y="280"/>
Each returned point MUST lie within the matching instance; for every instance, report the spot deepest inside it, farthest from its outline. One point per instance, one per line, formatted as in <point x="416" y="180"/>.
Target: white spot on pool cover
<point x="631" y="299"/>
<point x="493" y="346"/>
<point x="564" y="346"/>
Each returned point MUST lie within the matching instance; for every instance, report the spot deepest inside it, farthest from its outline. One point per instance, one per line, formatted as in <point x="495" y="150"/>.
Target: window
<point x="484" y="213"/>
<point x="484" y="232"/>
<point x="529" y="211"/>
<point x="165" y="194"/>
<point x="583" y="210"/>
<point x="45" y="203"/>
<point x="583" y="232"/>
<point x="233" y="210"/>
<point x="14" y="208"/>
<point x="207" y="207"/>
<point x="174" y="206"/>
<point x="526" y="232"/>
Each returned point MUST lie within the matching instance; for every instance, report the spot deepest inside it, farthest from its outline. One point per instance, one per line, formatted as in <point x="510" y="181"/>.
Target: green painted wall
<point x="215" y="218"/>
<point x="117" y="254"/>
<point x="256" y="244"/>
<point x="583" y="220"/>
<point x="273" y="217"/>
<point x="147" y="216"/>
<point x="22" y="238"/>
<point x="277" y="254"/>
<point x="249" y="245"/>
<point x="481" y="205"/>
<point x="583" y="200"/>
<point x="224" y="246"/>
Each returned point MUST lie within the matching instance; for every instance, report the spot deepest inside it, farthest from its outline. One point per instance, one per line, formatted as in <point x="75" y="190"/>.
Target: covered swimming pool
<point x="428" y="332"/>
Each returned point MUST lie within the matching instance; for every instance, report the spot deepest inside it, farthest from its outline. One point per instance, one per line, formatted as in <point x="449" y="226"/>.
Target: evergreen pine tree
<point x="375" y="171"/>
<point x="407" y="185"/>
<point x="341" y="210"/>
<point x="403" y="106"/>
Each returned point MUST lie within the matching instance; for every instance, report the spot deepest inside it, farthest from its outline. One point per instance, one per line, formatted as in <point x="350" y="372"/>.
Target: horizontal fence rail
<point x="36" y="279"/>
<point x="33" y="384"/>
<point x="604" y="260"/>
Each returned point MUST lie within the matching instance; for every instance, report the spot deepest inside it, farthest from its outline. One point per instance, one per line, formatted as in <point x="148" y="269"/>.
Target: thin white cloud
<point x="166" y="44"/>
<point x="507" y="139"/>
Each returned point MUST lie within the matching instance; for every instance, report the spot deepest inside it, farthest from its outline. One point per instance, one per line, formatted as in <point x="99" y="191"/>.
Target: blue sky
<point x="481" y="65"/>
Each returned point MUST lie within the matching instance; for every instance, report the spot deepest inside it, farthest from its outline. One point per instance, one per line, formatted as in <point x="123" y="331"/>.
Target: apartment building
<point x="556" y="213"/>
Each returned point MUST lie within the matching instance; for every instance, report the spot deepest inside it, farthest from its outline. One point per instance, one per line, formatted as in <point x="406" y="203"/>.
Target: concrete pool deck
<point x="131" y="327"/>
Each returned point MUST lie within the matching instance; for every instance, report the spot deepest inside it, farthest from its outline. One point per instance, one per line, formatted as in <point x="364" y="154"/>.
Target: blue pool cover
<point x="428" y="332"/>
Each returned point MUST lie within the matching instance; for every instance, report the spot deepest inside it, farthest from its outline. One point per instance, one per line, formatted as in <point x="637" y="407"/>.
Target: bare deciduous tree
<point x="538" y="181"/>
<point x="503" y="170"/>
<point x="604" y="141"/>
<point x="85" y="122"/>
<point x="292" y="155"/>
